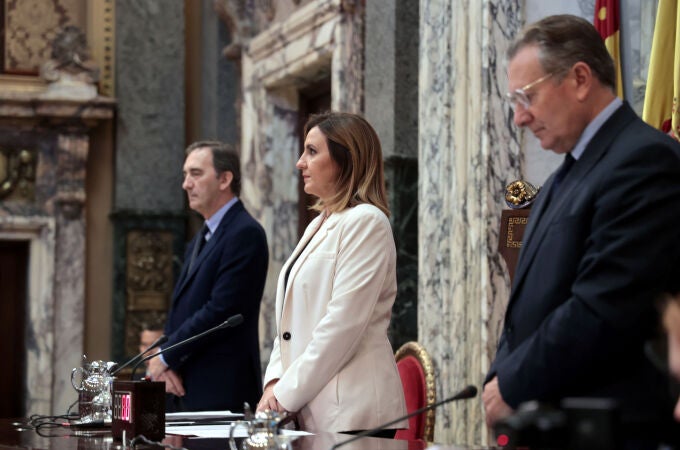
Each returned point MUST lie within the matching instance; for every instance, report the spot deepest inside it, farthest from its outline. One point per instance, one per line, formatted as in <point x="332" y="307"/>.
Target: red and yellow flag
<point x="607" y="23"/>
<point x="663" y="79"/>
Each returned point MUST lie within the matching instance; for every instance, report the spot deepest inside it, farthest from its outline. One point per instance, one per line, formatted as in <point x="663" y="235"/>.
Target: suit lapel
<point x="546" y="214"/>
<point x="309" y="242"/>
<point x="213" y="242"/>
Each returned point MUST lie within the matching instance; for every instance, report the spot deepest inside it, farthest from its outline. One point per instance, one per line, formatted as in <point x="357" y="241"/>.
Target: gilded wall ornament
<point x="17" y="173"/>
<point x="520" y="194"/>
<point x="149" y="277"/>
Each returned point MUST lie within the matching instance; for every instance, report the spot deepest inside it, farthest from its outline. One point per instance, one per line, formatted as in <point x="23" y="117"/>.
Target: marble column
<point x="391" y="106"/>
<point x="218" y="88"/>
<point x="69" y="286"/>
<point x="467" y="152"/>
<point x="150" y="94"/>
<point x="150" y="143"/>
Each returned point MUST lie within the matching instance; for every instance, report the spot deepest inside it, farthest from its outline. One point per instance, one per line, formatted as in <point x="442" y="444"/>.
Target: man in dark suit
<point x="223" y="276"/>
<point x="600" y="239"/>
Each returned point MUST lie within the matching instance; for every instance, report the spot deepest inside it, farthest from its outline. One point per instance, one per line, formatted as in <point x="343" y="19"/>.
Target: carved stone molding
<point x="299" y="25"/>
<point x="70" y="72"/>
<point x="31" y="109"/>
<point x="22" y="84"/>
<point x="268" y="7"/>
<point x="239" y="23"/>
<point x="350" y="6"/>
<point x="70" y="206"/>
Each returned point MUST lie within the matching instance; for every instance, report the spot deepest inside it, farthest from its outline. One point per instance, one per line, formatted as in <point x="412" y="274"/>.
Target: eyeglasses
<point x="520" y="95"/>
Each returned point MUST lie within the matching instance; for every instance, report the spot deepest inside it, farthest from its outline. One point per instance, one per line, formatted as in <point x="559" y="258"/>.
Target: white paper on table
<point x="200" y="415"/>
<point x="220" y="431"/>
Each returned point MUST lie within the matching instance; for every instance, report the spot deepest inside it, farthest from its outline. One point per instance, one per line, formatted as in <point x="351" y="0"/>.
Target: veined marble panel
<point x="321" y="40"/>
<point x="467" y="152"/>
<point x="537" y="162"/>
<point x="52" y="220"/>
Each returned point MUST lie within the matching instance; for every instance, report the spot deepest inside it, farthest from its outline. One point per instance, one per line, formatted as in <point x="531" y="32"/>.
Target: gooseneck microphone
<point x="157" y="343"/>
<point x="468" y="392"/>
<point x="234" y="320"/>
<point x="138" y="408"/>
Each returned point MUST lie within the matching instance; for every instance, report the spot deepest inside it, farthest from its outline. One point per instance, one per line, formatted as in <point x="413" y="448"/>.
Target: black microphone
<point x="230" y="322"/>
<point x="158" y="342"/>
<point x="466" y="393"/>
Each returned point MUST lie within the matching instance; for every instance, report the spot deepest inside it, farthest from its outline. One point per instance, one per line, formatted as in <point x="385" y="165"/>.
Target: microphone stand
<point x="230" y="322"/>
<point x="466" y="393"/>
<point x="158" y="342"/>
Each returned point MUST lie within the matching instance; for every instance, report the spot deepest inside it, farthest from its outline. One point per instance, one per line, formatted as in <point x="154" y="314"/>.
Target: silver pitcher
<point x="263" y="430"/>
<point x="93" y="383"/>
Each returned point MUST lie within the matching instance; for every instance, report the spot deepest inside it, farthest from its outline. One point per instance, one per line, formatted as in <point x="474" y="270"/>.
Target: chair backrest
<point x="417" y="378"/>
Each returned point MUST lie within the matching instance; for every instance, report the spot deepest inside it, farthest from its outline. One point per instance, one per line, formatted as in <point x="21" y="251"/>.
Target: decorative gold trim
<point x="101" y="37"/>
<point x="510" y="241"/>
<point x="416" y="350"/>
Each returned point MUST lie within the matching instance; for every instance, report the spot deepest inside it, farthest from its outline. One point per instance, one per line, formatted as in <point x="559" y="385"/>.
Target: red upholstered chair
<point x="417" y="378"/>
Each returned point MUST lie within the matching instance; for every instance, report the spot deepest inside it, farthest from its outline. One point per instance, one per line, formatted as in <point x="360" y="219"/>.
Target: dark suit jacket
<point x="591" y="267"/>
<point x="221" y="370"/>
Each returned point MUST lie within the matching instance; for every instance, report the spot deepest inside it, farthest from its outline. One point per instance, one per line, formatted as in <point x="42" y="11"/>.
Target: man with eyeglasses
<point x="600" y="239"/>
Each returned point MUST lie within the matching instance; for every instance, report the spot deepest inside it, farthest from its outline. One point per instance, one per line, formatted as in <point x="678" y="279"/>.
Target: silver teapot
<point x="93" y="383"/>
<point x="263" y="430"/>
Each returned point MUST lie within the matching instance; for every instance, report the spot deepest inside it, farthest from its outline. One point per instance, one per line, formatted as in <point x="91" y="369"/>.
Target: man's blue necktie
<point x="559" y="176"/>
<point x="199" y="244"/>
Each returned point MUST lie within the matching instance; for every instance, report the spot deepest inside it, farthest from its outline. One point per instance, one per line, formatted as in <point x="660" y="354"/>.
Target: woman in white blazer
<point x="332" y="362"/>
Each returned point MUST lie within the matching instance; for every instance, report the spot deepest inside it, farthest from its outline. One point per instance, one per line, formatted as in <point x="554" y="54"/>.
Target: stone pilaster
<point x="69" y="286"/>
<point x="150" y="143"/>
<point x="391" y="106"/>
<point x="466" y="155"/>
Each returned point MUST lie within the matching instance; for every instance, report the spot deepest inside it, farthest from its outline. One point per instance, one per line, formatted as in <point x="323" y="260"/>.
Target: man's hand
<point x="494" y="405"/>
<point x="268" y="400"/>
<point x="173" y="383"/>
<point x="156" y="368"/>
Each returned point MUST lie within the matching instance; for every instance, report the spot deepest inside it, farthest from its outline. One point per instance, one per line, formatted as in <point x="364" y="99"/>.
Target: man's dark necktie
<point x="559" y="176"/>
<point x="199" y="245"/>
